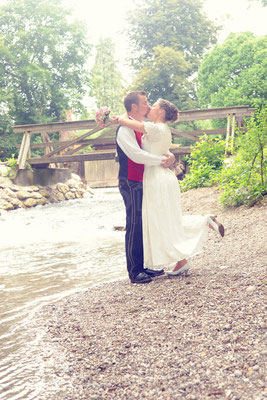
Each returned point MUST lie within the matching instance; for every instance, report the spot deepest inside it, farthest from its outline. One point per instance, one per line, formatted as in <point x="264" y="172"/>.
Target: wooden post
<point x="46" y="139"/>
<point x="233" y="133"/>
<point x="227" y="133"/>
<point x="24" y="150"/>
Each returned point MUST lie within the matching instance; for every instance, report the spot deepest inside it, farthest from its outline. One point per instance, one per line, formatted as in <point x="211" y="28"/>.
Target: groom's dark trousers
<point x="131" y="189"/>
<point x="132" y="193"/>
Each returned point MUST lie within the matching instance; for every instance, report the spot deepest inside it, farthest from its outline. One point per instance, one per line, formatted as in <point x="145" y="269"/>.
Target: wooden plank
<point x="98" y="155"/>
<point x="207" y="114"/>
<point x="21" y="150"/>
<point x="187" y="115"/>
<point x="175" y="132"/>
<point x="55" y="126"/>
<point x="181" y="150"/>
<point x="74" y="141"/>
<point x="87" y="142"/>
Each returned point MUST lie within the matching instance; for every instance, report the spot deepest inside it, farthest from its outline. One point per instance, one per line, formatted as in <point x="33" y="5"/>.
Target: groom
<point x="131" y="168"/>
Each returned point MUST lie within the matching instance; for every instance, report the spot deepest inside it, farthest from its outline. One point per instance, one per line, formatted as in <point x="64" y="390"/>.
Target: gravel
<point x="195" y="337"/>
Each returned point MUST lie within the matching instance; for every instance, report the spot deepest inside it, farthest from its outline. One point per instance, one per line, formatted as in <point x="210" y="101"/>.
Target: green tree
<point x="105" y="80"/>
<point x="165" y="76"/>
<point x="234" y="73"/>
<point x="42" y="73"/>
<point x="244" y="180"/>
<point x="179" y="24"/>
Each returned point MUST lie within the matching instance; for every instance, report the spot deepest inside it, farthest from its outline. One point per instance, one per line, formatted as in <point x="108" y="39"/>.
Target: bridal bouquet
<point x="102" y="116"/>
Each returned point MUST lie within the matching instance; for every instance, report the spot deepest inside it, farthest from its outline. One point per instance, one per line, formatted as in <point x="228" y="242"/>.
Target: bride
<point x="168" y="236"/>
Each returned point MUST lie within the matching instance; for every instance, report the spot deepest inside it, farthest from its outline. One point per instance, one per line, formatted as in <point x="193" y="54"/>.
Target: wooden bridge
<point x="104" y="146"/>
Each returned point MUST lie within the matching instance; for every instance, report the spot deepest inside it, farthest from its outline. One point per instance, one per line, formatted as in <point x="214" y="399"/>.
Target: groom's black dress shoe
<point x="154" y="272"/>
<point x="141" y="278"/>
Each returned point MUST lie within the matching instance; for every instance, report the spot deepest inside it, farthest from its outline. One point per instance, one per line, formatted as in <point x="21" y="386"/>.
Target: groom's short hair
<point x="132" y="98"/>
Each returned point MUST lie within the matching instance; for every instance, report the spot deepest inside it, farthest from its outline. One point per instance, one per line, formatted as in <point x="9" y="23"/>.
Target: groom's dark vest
<point x="129" y="169"/>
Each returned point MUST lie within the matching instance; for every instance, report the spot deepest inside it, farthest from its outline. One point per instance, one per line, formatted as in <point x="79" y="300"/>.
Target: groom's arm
<point x="127" y="141"/>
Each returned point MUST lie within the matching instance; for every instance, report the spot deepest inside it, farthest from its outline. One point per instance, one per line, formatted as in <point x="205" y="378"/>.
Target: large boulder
<point x="62" y="187"/>
<point x="30" y="202"/>
<point x="70" y="196"/>
<point x="23" y="194"/>
<point x="6" y="205"/>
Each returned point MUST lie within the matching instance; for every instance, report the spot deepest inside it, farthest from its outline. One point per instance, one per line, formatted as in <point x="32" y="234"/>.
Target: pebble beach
<point x="194" y="337"/>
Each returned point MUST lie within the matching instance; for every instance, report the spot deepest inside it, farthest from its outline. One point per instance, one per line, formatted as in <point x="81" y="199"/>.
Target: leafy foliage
<point x="165" y="76"/>
<point x="42" y="73"/>
<point x="105" y="79"/>
<point x="181" y="25"/>
<point x="234" y="73"/>
<point x="169" y="39"/>
<point x="244" y="181"/>
<point x="206" y="160"/>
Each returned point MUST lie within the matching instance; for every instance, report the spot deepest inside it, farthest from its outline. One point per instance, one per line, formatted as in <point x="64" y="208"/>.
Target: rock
<point x="62" y="187"/>
<point x="82" y="185"/>
<point x="5" y="205"/>
<point x="75" y="177"/>
<point x="42" y="202"/>
<point x="86" y="195"/>
<point x="5" y="182"/>
<point x="69" y="196"/>
<point x="45" y="193"/>
<point x="227" y="327"/>
<point x="72" y="183"/>
<point x="30" y="202"/>
<point x="17" y="203"/>
<point x="9" y="192"/>
<point x="251" y="289"/>
<point x="4" y="170"/>
<point x="80" y="193"/>
<point x="23" y="194"/>
<point x="238" y="373"/>
<point x="57" y="196"/>
<point x="31" y="188"/>
<point x="36" y="195"/>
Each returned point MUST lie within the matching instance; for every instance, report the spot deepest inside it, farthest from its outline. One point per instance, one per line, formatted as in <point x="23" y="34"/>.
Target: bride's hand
<point x="122" y="117"/>
<point x="114" y="120"/>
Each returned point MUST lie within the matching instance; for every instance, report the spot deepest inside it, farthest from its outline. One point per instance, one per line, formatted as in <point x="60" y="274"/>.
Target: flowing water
<point x="47" y="253"/>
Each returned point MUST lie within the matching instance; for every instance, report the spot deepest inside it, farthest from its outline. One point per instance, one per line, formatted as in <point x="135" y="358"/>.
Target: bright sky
<point x="108" y="18"/>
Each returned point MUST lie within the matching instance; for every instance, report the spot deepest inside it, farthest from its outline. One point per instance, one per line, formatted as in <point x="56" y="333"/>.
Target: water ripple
<point x="47" y="253"/>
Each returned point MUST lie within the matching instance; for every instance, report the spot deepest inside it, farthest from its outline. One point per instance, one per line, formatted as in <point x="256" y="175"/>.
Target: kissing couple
<point x="157" y="234"/>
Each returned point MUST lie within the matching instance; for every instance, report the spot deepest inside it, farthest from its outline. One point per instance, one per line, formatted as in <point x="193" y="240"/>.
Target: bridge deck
<point x="55" y="152"/>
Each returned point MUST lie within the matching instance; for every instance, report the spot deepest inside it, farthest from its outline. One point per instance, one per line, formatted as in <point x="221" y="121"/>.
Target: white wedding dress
<point x="168" y="236"/>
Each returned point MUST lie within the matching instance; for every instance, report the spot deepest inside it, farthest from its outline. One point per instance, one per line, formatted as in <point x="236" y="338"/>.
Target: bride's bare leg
<point x="179" y="264"/>
<point x="180" y="268"/>
<point x="216" y="226"/>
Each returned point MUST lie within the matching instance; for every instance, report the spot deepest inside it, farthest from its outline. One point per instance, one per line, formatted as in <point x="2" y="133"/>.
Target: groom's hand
<point x="170" y="158"/>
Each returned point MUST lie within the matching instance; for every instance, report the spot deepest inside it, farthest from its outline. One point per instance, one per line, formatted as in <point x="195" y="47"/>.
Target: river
<point x="46" y="253"/>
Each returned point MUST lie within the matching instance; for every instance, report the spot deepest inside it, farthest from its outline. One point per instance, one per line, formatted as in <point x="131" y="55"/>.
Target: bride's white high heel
<point x="217" y="226"/>
<point x="180" y="271"/>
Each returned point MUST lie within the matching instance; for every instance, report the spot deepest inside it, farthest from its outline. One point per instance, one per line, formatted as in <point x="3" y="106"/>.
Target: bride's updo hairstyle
<point x="171" y="111"/>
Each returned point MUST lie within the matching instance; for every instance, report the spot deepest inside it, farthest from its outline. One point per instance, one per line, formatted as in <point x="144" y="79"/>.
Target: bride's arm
<point x="132" y="124"/>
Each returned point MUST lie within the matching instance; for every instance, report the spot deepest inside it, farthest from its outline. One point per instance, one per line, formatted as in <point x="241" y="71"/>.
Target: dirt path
<point x="196" y="337"/>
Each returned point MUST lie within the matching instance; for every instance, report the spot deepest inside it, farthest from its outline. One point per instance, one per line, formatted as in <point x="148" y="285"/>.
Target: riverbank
<point x="196" y="337"/>
<point x="13" y="196"/>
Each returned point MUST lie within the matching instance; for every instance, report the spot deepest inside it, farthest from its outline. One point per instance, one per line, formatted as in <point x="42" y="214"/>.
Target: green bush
<point x="206" y="161"/>
<point x="244" y="181"/>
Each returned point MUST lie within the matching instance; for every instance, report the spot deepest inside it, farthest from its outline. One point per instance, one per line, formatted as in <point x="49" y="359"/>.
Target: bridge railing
<point x="104" y="146"/>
